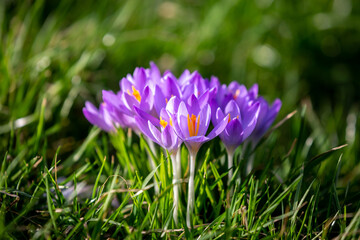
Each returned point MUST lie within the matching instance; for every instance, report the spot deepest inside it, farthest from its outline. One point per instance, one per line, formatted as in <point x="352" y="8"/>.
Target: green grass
<point x="61" y="178"/>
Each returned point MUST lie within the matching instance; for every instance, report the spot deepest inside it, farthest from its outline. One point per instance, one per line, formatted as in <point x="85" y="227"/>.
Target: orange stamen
<point x="164" y="123"/>
<point x="197" y="126"/>
<point x="229" y="118"/>
<point x="136" y="94"/>
<point x="193" y="125"/>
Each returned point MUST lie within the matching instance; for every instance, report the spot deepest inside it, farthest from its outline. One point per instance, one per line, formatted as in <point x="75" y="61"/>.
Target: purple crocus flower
<point x="191" y="121"/>
<point x="137" y="90"/>
<point x="159" y="130"/>
<point x="240" y="123"/>
<point x="223" y="95"/>
<point x="99" y="117"/>
<point x="266" y="117"/>
<point x="164" y="90"/>
<point x="241" y="95"/>
<point x="193" y="83"/>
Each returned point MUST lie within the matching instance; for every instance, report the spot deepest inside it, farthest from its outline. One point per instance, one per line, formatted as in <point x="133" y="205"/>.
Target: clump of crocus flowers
<point x="170" y="111"/>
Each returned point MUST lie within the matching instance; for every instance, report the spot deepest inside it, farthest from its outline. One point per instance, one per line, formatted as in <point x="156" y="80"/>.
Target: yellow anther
<point x="193" y="125"/>
<point x="136" y="93"/>
<point x="229" y="118"/>
<point x="167" y="100"/>
<point x="237" y="93"/>
<point x="163" y="122"/>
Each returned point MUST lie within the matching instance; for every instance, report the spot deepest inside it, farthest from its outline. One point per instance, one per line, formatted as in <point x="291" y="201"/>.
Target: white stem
<point x="175" y="182"/>
<point x="230" y="166"/>
<point x="191" y="193"/>
<point x="178" y="163"/>
<point x="152" y="162"/>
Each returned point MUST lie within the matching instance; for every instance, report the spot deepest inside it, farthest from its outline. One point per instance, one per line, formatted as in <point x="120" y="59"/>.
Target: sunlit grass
<point x="60" y="178"/>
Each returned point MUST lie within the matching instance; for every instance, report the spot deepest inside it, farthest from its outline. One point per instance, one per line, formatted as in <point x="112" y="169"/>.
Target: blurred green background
<point x="303" y="52"/>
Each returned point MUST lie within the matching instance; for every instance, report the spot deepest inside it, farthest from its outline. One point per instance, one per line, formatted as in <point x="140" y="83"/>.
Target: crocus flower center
<point x="230" y="117"/>
<point x="167" y="100"/>
<point x="237" y="93"/>
<point x="163" y="122"/>
<point x="135" y="93"/>
<point x="193" y="124"/>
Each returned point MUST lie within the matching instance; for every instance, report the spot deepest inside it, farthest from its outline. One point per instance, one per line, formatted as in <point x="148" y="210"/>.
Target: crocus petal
<point x="147" y="100"/>
<point x="125" y="84"/>
<point x="173" y="105"/>
<point x="165" y="115"/>
<point x="159" y="100"/>
<point x="183" y="125"/>
<point x="193" y="144"/>
<point x="233" y="109"/>
<point x="219" y="115"/>
<point x="187" y="91"/>
<point x="204" y="98"/>
<point x="98" y="117"/>
<point x="90" y="107"/>
<point x="144" y="128"/>
<point x="182" y="110"/>
<point x="130" y="101"/>
<point x="184" y="77"/>
<point x="275" y="108"/>
<point x="154" y="72"/>
<point x="214" y="82"/>
<point x="193" y="105"/>
<point x="204" y="115"/>
<point x="173" y="86"/>
<point x="253" y="91"/>
<point x="109" y="97"/>
<point x="167" y="139"/>
<point x="218" y="128"/>
<point x="155" y="132"/>
<point x="176" y="126"/>
<point x="250" y="120"/>
<point x="139" y="78"/>
<point x="233" y="134"/>
<point x="214" y="106"/>
<point x="147" y="116"/>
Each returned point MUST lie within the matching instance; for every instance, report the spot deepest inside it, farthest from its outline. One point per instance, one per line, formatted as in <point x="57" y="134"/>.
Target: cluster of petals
<point x="170" y="110"/>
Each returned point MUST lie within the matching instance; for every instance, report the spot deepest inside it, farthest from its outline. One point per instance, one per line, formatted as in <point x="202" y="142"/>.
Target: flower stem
<point x="178" y="164"/>
<point x="230" y="166"/>
<point x="175" y="182"/>
<point x="191" y="193"/>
